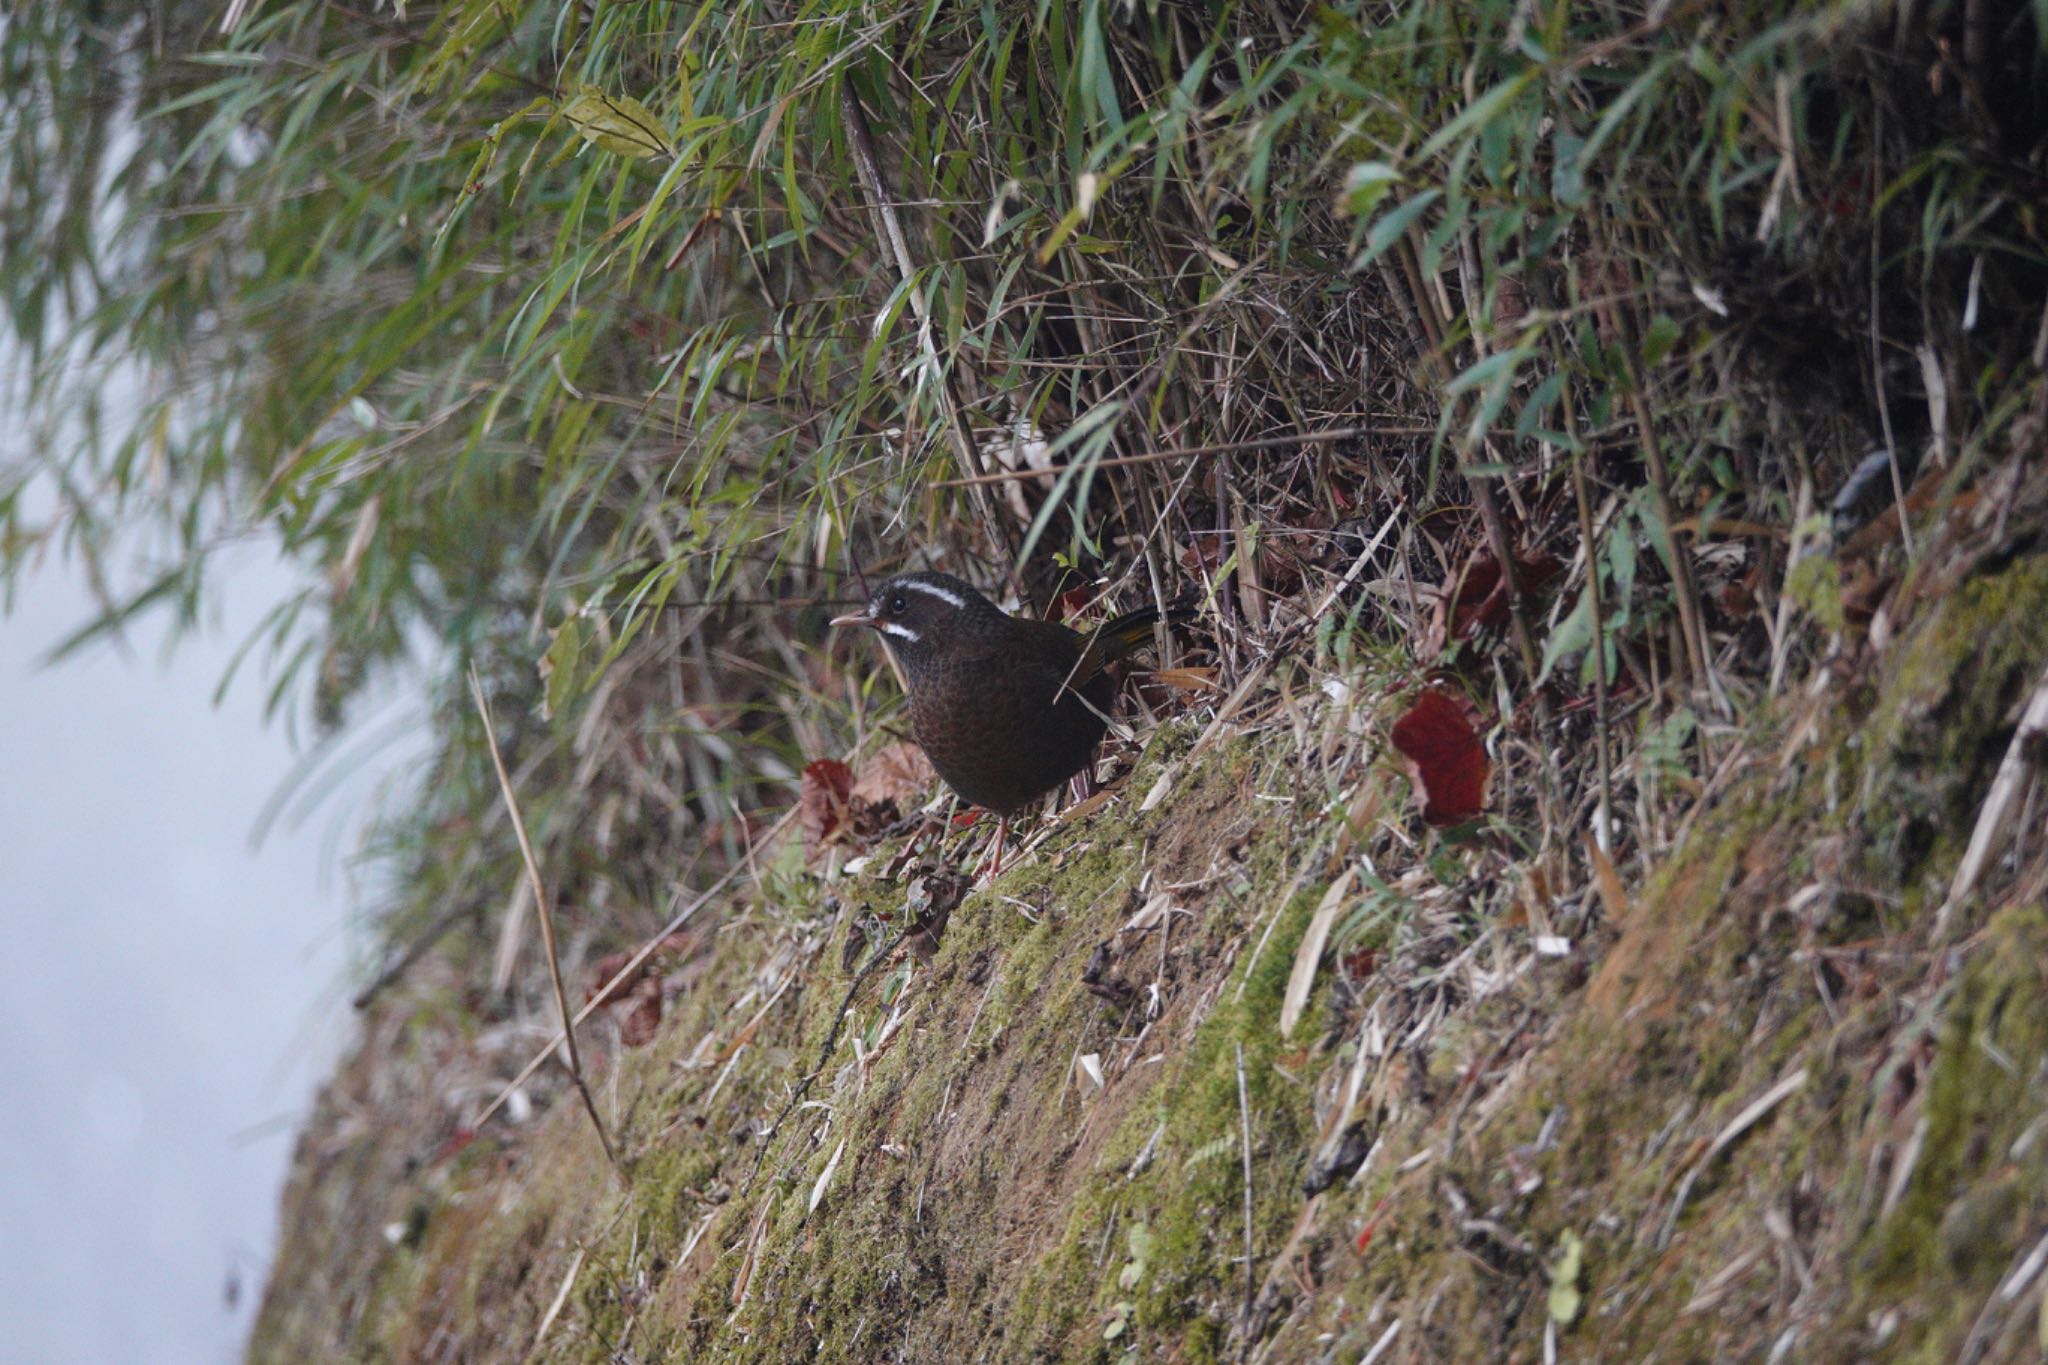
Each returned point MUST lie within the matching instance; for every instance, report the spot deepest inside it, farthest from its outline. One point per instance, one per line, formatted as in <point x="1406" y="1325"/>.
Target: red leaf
<point x="1480" y="600"/>
<point x="1364" y="1239"/>
<point x="1445" y="757"/>
<point x="822" y="802"/>
<point x="1361" y="964"/>
<point x="454" y="1144"/>
<point x="1072" y="603"/>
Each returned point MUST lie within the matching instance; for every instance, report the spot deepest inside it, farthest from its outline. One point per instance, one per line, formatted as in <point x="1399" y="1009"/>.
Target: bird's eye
<point x="899" y="604"/>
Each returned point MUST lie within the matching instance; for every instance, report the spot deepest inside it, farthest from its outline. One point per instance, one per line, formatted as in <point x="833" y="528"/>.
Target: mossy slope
<point x="1772" y="1115"/>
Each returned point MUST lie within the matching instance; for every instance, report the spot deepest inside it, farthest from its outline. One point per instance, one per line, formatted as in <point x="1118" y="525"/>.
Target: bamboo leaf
<point x="617" y="123"/>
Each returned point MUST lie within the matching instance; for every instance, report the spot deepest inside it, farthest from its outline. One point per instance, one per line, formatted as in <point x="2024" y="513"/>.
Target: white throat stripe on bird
<point x="901" y="632"/>
<point x="943" y="594"/>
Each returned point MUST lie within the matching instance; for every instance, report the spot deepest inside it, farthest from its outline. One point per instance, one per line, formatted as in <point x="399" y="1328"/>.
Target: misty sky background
<point x="171" y="994"/>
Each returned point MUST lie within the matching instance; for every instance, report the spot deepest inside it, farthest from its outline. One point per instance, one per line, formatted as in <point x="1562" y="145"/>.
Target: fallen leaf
<point x="1187" y="679"/>
<point x="1303" y="978"/>
<point x="898" y="772"/>
<point x="1445" y="757"/>
<point x="455" y="1143"/>
<point x="1204" y="550"/>
<point x="1477" y="599"/>
<point x="1072" y="603"/>
<point x="825" y="1177"/>
<point x="824" y="799"/>
<point x="1361" y="963"/>
<point x="608" y="967"/>
<point x="1606" y="879"/>
<point x="641" y="1020"/>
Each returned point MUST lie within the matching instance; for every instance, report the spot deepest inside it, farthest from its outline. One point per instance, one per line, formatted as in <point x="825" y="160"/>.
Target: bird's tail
<point x="1127" y="634"/>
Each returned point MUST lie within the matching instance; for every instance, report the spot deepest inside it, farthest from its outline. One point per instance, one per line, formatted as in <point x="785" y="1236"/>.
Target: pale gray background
<point x="170" y="995"/>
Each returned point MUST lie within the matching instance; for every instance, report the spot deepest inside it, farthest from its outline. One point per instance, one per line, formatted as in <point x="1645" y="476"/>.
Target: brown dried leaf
<point x="899" y="773"/>
<point x="1187" y="679"/>
<point x="824" y="800"/>
<point x="641" y="1019"/>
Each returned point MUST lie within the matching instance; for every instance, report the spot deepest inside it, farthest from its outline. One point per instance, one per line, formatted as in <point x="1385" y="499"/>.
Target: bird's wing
<point x="1047" y="651"/>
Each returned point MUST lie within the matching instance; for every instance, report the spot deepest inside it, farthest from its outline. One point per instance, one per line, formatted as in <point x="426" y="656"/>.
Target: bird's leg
<point x="1002" y="833"/>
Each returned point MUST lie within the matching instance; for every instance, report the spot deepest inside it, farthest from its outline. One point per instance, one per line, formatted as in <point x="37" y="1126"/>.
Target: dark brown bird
<point x="1005" y="708"/>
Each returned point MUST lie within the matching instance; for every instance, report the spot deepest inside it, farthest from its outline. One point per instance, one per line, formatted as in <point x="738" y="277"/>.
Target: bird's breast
<point x="999" y="740"/>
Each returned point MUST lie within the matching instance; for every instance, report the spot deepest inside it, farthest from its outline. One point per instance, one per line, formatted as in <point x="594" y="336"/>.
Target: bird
<point x="1005" y="708"/>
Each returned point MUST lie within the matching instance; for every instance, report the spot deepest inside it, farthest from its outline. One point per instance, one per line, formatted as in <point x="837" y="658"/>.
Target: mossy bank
<point x="1764" y="1106"/>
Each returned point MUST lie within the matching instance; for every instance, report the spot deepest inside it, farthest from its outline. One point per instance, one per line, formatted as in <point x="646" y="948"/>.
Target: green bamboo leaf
<point x="617" y="123"/>
<point x="1478" y="112"/>
<point x="1663" y="334"/>
<point x="561" y="666"/>
<point x="1365" y="185"/>
<point x="1391" y="225"/>
<point x="1572" y="634"/>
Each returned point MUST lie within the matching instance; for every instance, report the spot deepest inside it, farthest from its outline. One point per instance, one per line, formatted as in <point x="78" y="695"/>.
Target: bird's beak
<point x="853" y="619"/>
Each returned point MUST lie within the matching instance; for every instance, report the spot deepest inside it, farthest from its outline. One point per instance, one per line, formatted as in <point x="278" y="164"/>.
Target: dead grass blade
<point x="1737" y="1126"/>
<point x="2014" y="773"/>
<point x="1303" y="978"/>
<point x="561" y="1297"/>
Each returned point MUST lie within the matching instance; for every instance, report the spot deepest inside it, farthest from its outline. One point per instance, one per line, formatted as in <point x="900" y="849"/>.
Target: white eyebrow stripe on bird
<point x="901" y="632"/>
<point x="943" y="594"/>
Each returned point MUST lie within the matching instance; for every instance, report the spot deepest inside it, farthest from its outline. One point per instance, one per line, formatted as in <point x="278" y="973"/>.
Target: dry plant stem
<point x="412" y="953"/>
<point x="824" y="1054"/>
<point x="890" y="230"/>
<point x="633" y="964"/>
<point x="1878" y="386"/>
<point x="1489" y="506"/>
<point x="1584" y="496"/>
<point x="541" y="913"/>
<point x="1497" y="532"/>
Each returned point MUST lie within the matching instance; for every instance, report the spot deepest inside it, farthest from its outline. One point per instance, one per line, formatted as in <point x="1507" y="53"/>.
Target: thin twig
<point x="1690" y="626"/>
<point x="398" y="966"/>
<point x="541" y="912"/>
<point x="1582" y="494"/>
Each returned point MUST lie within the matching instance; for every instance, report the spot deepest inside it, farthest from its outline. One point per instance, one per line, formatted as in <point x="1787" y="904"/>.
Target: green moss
<point x="1942" y="726"/>
<point x="1191" y="1197"/>
<point x="1965" y="1214"/>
